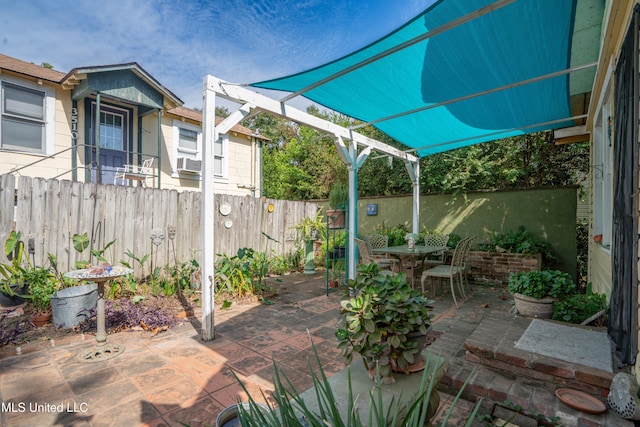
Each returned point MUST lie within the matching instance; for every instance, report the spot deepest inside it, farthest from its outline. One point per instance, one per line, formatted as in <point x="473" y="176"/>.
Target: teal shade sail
<point x="474" y="81"/>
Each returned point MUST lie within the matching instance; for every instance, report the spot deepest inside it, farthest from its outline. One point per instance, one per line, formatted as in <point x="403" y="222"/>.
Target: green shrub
<point x="538" y="284"/>
<point x="338" y="195"/>
<point x="395" y="234"/>
<point x="379" y="314"/>
<point x="579" y="307"/>
<point x="521" y="241"/>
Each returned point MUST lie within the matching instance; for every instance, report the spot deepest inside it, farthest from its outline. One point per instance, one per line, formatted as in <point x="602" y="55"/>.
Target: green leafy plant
<point x="233" y="274"/>
<point x="12" y="278"/>
<point x="338" y="195"/>
<point x="42" y="285"/>
<point x="37" y="283"/>
<point x="539" y="284"/>
<point x="183" y="275"/>
<point x="579" y="307"/>
<point x="337" y="270"/>
<point x="521" y="241"/>
<point x="311" y="228"/>
<point x="396" y="235"/>
<point x="81" y="242"/>
<point x="379" y="314"/>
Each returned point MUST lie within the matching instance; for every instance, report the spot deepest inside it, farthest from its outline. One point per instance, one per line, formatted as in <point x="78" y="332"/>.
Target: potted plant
<point x="382" y="319"/>
<point x="12" y="284"/>
<point x="534" y="292"/>
<point x="336" y="273"/>
<point x="308" y="231"/>
<point x="42" y="286"/>
<point x="338" y="196"/>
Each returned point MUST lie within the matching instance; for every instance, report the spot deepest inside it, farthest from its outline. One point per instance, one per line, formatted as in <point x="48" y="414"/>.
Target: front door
<point x="114" y="141"/>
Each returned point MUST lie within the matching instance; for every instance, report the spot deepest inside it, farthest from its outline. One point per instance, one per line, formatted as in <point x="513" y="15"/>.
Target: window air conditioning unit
<point x="189" y="165"/>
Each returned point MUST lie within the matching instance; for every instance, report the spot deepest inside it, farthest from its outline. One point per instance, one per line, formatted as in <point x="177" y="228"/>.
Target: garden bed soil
<point x="17" y="330"/>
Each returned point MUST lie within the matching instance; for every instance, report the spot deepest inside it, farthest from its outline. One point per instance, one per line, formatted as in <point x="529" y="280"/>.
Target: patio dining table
<point x="405" y="252"/>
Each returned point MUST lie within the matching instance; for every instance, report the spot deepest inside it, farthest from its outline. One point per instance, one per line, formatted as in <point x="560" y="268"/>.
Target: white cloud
<point x="178" y="42"/>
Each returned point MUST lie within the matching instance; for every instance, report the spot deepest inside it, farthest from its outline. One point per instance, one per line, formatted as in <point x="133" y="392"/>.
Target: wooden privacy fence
<point x="49" y="212"/>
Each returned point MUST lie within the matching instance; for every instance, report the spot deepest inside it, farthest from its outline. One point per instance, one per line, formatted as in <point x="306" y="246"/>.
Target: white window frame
<point x="223" y="175"/>
<point x="183" y="152"/>
<point x="602" y="167"/>
<point x="48" y="144"/>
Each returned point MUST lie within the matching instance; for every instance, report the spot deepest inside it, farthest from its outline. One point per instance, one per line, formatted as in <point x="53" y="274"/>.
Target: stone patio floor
<point x="175" y="377"/>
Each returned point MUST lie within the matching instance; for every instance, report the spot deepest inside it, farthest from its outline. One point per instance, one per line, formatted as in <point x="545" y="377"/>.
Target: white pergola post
<point x="413" y="169"/>
<point x="207" y="198"/>
<point x="352" y="227"/>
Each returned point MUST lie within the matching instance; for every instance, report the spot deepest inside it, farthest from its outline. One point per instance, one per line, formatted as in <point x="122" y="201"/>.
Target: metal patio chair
<point x="454" y="271"/>
<point x="138" y="173"/>
<point x="436" y="258"/>
<point x="366" y="258"/>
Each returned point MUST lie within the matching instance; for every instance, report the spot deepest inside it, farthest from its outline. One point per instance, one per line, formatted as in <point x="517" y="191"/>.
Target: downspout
<point x="159" y="144"/>
<point x="97" y="134"/>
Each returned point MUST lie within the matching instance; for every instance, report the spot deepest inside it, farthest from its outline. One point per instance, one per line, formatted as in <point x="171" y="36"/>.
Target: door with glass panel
<point x="114" y="141"/>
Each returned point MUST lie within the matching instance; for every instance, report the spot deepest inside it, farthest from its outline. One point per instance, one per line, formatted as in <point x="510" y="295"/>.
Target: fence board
<point x="23" y="215"/>
<point x="170" y="202"/>
<point x="126" y="216"/>
<point x="111" y="225"/>
<point x="53" y="211"/>
<point x="75" y="222"/>
<point x="7" y="203"/>
<point x="36" y="229"/>
<point x="63" y="238"/>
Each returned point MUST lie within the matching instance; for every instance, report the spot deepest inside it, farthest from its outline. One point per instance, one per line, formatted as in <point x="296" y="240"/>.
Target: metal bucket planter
<point x="541" y="308"/>
<point x="72" y="305"/>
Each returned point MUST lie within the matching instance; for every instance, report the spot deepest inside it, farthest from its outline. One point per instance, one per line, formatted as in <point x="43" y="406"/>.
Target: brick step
<point x="531" y="396"/>
<point x="497" y="351"/>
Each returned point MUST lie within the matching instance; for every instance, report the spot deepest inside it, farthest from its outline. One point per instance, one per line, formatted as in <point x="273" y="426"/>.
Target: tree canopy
<point x="302" y="163"/>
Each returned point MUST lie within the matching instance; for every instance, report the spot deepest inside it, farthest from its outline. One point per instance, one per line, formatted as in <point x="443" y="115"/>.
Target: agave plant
<point x="291" y="410"/>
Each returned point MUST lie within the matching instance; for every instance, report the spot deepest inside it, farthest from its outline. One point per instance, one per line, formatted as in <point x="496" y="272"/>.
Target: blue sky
<point x="180" y="41"/>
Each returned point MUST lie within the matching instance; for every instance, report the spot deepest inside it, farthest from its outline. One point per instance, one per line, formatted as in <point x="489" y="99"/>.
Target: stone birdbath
<point x="100" y="275"/>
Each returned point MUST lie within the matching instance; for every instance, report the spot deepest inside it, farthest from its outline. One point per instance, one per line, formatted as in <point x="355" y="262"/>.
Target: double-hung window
<point x="187" y="146"/>
<point x="219" y="156"/>
<point x="23" y="121"/>
<point x="603" y="170"/>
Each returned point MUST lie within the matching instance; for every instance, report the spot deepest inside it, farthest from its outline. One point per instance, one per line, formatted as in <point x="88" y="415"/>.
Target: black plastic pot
<point x="14" y="300"/>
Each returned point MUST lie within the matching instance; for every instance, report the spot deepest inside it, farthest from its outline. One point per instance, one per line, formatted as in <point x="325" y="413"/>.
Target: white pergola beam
<point x="343" y="151"/>
<point x="253" y="100"/>
<point x="234" y="118"/>
<point x="237" y="93"/>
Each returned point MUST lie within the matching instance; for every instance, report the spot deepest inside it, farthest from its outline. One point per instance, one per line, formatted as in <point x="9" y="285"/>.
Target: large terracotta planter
<point x="541" y="308"/>
<point x="335" y="218"/>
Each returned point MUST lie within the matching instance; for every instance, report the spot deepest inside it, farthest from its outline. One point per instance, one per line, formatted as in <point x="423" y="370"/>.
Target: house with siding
<point x="613" y="117"/>
<point x="50" y="122"/>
